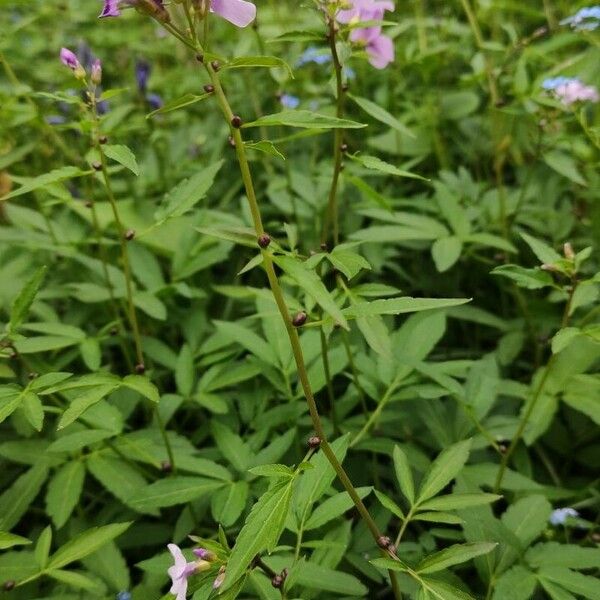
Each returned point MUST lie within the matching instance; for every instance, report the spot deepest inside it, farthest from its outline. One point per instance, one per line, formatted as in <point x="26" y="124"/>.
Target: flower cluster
<point x="570" y="90"/>
<point x="238" y="12"/>
<point x="182" y="569"/>
<point x="380" y="47"/>
<point x="585" y="19"/>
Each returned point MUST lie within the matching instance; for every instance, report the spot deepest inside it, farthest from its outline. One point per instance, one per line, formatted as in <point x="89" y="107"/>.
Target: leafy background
<point x="103" y="466"/>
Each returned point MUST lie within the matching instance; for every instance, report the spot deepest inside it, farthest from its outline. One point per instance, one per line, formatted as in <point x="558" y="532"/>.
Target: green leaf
<point x="184" y="371"/>
<point x="376" y="164"/>
<point x="311" y="283"/>
<point x="303" y="119"/>
<point x="552" y="554"/>
<point x="186" y="194"/>
<point x="266" y="147"/>
<point x="233" y="448"/>
<point x="320" y="577"/>
<point x="235" y="332"/>
<point x="444" y="469"/>
<point x="22" y="303"/>
<point x="76" y="580"/>
<point x="333" y="507"/>
<point x="123" y="155"/>
<point x="33" y="410"/>
<point x="397" y="306"/>
<point x="545" y="253"/>
<point x="85" y="544"/>
<point x="531" y="279"/>
<point x="454" y="555"/>
<point x="270" y="62"/>
<point x="84" y="402"/>
<point x="348" y="262"/>
<point x="35" y="183"/>
<point x="458" y="501"/>
<point x="404" y="474"/>
<point x="261" y="531"/>
<point x="64" y="491"/>
<point x="42" y="547"/>
<point x="15" y="501"/>
<point x="527" y="518"/>
<point x="182" y="102"/>
<point x="143" y="386"/>
<point x="10" y="399"/>
<point x="173" y="491"/>
<point x="445" y="252"/>
<point x="582" y="585"/>
<point x="438" y="517"/>
<point x="564" y="165"/>
<point x="8" y="540"/>
<point x="381" y="115"/>
<point x="517" y="583"/>
<point x="228" y="503"/>
<point x="388" y="503"/>
<point x="440" y="590"/>
<point x="564" y="337"/>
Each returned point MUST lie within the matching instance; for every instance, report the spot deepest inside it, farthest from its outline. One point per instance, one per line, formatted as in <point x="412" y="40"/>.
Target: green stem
<point x="534" y="400"/>
<point x="332" y="215"/>
<point x="283" y="309"/>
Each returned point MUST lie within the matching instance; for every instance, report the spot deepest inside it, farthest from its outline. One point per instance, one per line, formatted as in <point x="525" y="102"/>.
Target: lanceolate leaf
<point x="304" y="119"/>
<point x="261" y="530"/>
<point x="22" y="303"/>
<point x="453" y="555"/>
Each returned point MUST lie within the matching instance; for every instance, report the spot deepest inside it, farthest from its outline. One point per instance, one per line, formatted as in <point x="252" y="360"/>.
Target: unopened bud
<point x="299" y="319"/>
<point x="264" y="240"/>
<point x="97" y="72"/>
<point x="549" y="267"/>
<point x="236" y="122"/>
<point x="277" y="581"/>
<point x="384" y="541"/>
<point x="568" y="251"/>
<point x="314" y="442"/>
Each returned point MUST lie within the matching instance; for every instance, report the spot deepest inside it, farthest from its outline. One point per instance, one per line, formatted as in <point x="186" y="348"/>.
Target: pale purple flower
<point x="585" y="19"/>
<point x="560" y="515"/>
<point x="155" y="101"/>
<point x="179" y="572"/>
<point x="111" y="8"/>
<point x="69" y="59"/>
<point x="238" y="12"/>
<point x="570" y="90"/>
<point x="380" y="47"/>
<point x="156" y="8"/>
<point x="203" y="554"/>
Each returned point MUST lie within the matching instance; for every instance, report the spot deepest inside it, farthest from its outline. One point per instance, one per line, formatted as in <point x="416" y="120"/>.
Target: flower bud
<point x="568" y="251"/>
<point x="264" y="240"/>
<point x="97" y="72"/>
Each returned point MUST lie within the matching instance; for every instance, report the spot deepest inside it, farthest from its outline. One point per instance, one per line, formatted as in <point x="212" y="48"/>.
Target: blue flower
<point x="553" y="82"/>
<point x="289" y="101"/>
<point x="586" y="19"/>
<point x="560" y="515"/>
<point x="123" y="596"/>
<point x="155" y="101"/>
<point x="314" y="55"/>
<point x="142" y="74"/>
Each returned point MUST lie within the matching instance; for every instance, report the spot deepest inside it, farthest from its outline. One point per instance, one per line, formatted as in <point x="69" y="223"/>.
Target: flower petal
<point x="381" y="52"/>
<point x="238" y="12"/>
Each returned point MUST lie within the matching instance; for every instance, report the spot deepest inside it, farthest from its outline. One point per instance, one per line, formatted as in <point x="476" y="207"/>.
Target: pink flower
<point x="238" y="12"/>
<point x="380" y="48"/>
<point x="69" y="59"/>
<point x="179" y="572"/>
<point x="576" y="91"/>
<point x="97" y="72"/>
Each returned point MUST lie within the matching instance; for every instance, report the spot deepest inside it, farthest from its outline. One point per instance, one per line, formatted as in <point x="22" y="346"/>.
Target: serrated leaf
<point x="380" y="114"/>
<point x="186" y="194"/>
<point x="22" y="303"/>
<point x="458" y="501"/>
<point x="41" y="181"/>
<point x="15" y="501"/>
<point x="376" y="164"/>
<point x="182" y="102"/>
<point x="333" y="507"/>
<point x="8" y="540"/>
<point x="123" y="155"/>
<point x="444" y="469"/>
<point x="311" y="283"/>
<point x="64" y="491"/>
<point x="85" y="544"/>
<point x="531" y="279"/>
<point x="270" y="62"/>
<point x="454" y="555"/>
<point x="261" y="531"/>
<point x="173" y="491"/>
<point x="85" y="401"/>
<point x="404" y="474"/>
<point x="143" y="386"/>
<point x="303" y="119"/>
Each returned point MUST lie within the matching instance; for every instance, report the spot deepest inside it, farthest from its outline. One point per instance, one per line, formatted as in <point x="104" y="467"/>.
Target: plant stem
<point x="332" y="215"/>
<point x="534" y="400"/>
<point x="283" y="309"/>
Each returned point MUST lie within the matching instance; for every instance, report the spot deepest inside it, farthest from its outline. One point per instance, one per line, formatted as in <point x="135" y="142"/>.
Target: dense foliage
<point x="418" y="198"/>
